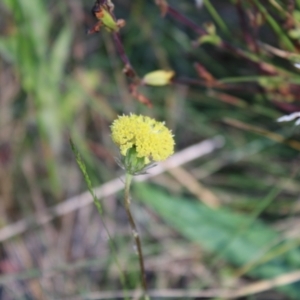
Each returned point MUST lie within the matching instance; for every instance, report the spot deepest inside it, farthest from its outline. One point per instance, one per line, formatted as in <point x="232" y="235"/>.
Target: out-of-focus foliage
<point x="236" y="67"/>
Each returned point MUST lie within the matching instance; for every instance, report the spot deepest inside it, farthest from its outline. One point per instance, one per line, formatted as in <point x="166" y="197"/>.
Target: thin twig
<point x="184" y="20"/>
<point x="128" y="70"/>
<point x="247" y="290"/>
<point x="225" y="45"/>
<point x="128" y="179"/>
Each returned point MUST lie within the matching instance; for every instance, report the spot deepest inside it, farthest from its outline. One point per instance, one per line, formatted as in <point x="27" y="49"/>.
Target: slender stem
<point x="120" y="49"/>
<point x="184" y="20"/>
<point x="215" y="15"/>
<point x="224" y="44"/>
<point x="128" y="70"/>
<point x="135" y="233"/>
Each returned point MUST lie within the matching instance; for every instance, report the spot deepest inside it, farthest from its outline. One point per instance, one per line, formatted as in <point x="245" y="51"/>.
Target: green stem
<point x="128" y="179"/>
<point x="97" y="203"/>
<point x="275" y="26"/>
<point x="213" y="12"/>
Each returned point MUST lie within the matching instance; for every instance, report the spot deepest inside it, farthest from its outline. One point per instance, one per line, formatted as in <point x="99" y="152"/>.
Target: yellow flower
<point x="151" y="140"/>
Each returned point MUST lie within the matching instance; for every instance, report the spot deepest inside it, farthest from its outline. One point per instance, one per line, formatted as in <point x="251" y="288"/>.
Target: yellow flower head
<point x="152" y="140"/>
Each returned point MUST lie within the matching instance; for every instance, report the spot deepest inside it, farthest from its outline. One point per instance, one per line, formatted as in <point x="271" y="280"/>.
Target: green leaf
<point x="216" y="231"/>
<point x="86" y="177"/>
<point x="60" y="52"/>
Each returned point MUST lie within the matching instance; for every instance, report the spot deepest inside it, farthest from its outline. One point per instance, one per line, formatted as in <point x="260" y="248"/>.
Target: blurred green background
<point x="225" y="222"/>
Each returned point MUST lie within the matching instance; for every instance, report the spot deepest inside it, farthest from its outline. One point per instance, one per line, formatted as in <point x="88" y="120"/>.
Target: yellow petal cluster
<point x="152" y="139"/>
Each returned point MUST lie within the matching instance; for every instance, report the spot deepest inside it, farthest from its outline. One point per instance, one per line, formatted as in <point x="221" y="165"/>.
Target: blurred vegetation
<point x="237" y="71"/>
